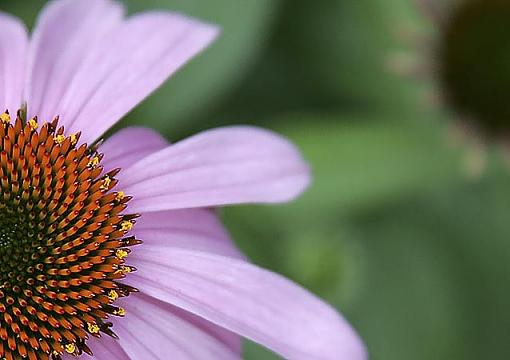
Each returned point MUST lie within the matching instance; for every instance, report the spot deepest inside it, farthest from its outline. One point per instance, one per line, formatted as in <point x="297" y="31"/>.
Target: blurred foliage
<point x="391" y="232"/>
<point x="245" y="26"/>
<point x="437" y="265"/>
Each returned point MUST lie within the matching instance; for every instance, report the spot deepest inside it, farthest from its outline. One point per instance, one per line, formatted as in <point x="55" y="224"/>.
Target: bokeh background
<point x="394" y="232"/>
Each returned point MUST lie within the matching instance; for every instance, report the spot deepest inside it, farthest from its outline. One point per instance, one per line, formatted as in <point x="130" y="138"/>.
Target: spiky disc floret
<point x="63" y="242"/>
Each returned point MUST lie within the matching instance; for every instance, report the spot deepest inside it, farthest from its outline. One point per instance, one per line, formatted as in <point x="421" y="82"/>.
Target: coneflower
<point x="113" y="249"/>
<point x="467" y="57"/>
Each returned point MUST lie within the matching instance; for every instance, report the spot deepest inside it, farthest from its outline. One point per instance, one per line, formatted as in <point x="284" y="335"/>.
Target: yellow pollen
<point x="94" y="161"/>
<point x="120" y="312"/>
<point x="59" y="139"/>
<point x="74" y="139"/>
<point x="33" y="124"/>
<point x="113" y="295"/>
<point x="126" y="225"/>
<point x="106" y="183"/>
<point x="123" y="270"/>
<point x="120" y="196"/>
<point x="5" y="117"/>
<point x="121" y="254"/>
<point x="93" y="328"/>
<point x="70" y="348"/>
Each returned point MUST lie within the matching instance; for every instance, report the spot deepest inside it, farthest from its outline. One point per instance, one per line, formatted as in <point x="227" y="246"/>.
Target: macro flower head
<point x="112" y="249"/>
<point x="473" y="70"/>
<point x="466" y="56"/>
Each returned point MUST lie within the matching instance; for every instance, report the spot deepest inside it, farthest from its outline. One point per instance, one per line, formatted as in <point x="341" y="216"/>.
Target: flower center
<point x="63" y="242"/>
<point x="475" y="63"/>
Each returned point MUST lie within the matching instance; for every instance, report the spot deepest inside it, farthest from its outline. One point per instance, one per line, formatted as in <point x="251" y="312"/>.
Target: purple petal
<point x="252" y="302"/>
<point x="151" y="330"/>
<point x="127" y="65"/>
<point x="129" y="145"/>
<point x="194" y="229"/>
<point x="64" y="35"/>
<point x="230" y="339"/>
<point x="218" y="167"/>
<point x="13" y="50"/>
<point x="107" y="348"/>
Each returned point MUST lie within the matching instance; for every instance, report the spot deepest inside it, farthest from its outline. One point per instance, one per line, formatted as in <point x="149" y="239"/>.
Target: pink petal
<point x="127" y="65"/>
<point x="107" y="348"/>
<point x="13" y="49"/>
<point x="230" y="339"/>
<point x="64" y="35"/>
<point x="129" y="145"/>
<point x="195" y="229"/>
<point x="252" y="302"/>
<point x="151" y="330"/>
<point x="218" y="167"/>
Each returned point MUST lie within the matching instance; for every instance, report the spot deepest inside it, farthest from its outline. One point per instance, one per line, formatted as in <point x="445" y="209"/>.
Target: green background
<point x="393" y="231"/>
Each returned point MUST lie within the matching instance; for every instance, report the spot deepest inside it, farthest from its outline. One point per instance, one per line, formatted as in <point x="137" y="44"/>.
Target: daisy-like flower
<point x="468" y="58"/>
<point x="113" y="248"/>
